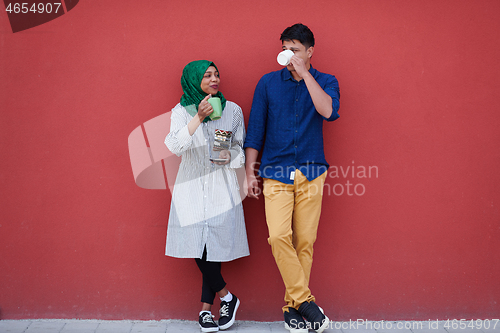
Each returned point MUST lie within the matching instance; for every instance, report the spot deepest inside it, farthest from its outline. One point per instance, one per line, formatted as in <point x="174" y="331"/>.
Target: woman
<point x="206" y="215"/>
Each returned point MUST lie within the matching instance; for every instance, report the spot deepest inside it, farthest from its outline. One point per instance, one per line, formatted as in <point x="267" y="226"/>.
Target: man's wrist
<point x="307" y="76"/>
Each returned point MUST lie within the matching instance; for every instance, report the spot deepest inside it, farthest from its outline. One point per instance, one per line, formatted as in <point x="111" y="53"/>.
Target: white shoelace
<point x="224" y="310"/>
<point x="208" y="318"/>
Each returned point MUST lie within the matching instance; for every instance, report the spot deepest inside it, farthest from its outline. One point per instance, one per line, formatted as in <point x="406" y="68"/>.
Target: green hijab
<point x="191" y="86"/>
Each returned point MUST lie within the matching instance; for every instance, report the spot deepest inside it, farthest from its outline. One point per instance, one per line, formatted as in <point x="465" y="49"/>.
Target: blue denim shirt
<point x="284" y="122"/>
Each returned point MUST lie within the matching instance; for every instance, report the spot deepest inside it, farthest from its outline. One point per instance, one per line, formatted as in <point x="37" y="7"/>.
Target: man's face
<point x="298" y="50"/>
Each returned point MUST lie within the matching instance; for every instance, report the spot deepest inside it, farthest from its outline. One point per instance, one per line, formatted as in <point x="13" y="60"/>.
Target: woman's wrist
<point x="200" y="118"/>
<point x="193" y="124"/>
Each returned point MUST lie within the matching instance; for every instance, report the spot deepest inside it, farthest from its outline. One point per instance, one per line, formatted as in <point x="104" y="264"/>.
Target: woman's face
<point x="210" y="81"/>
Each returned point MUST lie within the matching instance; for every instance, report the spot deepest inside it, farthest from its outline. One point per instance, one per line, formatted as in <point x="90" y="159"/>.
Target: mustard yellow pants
<point x="292" y="214"/>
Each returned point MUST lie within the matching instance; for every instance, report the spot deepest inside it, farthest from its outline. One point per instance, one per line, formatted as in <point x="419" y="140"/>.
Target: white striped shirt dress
<point x="206" y="208"/>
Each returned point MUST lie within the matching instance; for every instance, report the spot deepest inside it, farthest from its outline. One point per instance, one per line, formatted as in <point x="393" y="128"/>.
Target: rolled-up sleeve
<point x="237" y="152"/>
<point x="332" y="89"/>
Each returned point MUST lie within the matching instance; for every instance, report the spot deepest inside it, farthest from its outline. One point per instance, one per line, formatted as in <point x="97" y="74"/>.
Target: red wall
<point x="419" y="86"/>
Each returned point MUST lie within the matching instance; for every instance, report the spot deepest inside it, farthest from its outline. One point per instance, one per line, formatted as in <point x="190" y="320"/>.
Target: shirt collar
<point x="286" y="75"/>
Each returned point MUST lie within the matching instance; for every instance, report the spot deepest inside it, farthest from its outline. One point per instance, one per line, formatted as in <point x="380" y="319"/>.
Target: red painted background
<point x="419" y="101"/>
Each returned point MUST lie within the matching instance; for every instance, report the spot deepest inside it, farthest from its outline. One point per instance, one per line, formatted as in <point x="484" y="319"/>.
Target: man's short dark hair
<point x="299" y="32"/>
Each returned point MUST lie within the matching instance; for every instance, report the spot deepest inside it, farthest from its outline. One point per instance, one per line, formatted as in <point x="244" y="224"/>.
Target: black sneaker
<point x="313" y="314"/>
<point x="207" y="323"/>
<point x="228" y="313"/>
<point x="294" y="321"/>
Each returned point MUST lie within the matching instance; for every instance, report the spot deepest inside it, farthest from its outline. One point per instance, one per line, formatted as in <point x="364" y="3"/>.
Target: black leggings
<point x="212" y="278"/>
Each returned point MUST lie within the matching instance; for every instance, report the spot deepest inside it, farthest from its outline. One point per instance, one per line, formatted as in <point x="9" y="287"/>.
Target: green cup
<point x="217" y="106"/>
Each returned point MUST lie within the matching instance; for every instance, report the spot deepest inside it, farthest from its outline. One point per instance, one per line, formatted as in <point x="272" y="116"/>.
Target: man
<point x="286" y="123"/>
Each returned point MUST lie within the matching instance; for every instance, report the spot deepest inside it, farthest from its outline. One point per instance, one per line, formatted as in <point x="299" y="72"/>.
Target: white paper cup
<point x="284" y="57"/>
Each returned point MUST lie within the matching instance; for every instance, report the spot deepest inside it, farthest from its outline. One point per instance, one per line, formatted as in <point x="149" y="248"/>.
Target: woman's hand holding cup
<point x="205" y="108"/>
